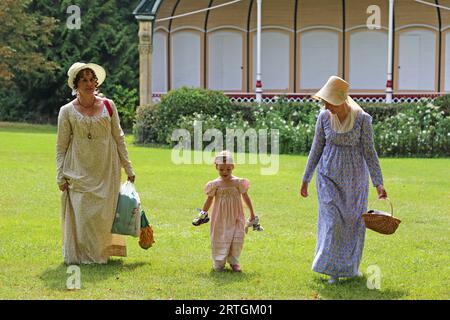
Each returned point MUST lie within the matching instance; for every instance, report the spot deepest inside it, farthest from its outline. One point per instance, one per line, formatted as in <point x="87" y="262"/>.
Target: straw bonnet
<point x="335" y="92"/>
<point x="78" y="66"/>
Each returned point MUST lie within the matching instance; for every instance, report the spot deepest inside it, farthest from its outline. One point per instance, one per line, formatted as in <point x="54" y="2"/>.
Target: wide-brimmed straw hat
<point x="78" y="66"/>
<point x="335" y="92"/>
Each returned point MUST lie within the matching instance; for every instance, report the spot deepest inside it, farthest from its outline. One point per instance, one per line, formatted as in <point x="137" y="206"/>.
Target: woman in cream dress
<point x="90" y="151"/>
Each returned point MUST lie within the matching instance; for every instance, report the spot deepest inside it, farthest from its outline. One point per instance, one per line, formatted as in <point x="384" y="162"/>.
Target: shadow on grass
<point x="23" y="127"/>
<point x="353" y="289"/>
<point x="228" y="276"/>
<point x="56" y="278"/>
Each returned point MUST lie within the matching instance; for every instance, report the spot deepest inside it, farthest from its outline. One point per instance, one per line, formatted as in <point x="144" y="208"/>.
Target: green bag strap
<point x="144" y="220"/>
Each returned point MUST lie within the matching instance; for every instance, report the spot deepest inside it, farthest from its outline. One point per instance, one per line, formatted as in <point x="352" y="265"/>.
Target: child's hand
<point x="201" y="218"/>
<point x="254" y="223"/>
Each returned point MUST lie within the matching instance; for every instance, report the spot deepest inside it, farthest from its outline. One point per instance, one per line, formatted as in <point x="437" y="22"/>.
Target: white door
<point x="186" y="56"/>
<point x="417" y="60"/>
<point x="447" y="62"/>
<point x="159" y="63"/>
<point x="368" y="60"/>
<point x="275" y="47"/>
<point x="319" y="52"/>
<point x="225" y="61"/>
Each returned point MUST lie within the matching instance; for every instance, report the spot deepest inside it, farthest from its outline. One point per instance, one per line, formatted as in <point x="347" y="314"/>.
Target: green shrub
<point x="382" y="111"/>
<point x="126" y="101"/>
<point x="443" y="102"/>
<point x="408" y="129"/>
<point x="147" y="126"/>
<point x="421" y="130"/>
<point x="187" y="101"/>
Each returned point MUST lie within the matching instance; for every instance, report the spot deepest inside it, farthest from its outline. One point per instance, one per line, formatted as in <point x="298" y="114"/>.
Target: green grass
<point x="414" y="262"/>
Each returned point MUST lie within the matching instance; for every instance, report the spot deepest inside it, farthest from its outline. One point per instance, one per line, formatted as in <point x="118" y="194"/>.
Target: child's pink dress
<point x="227" y="220"/>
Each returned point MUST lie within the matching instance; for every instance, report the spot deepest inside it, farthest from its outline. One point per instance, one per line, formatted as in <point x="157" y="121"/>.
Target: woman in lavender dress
<point x="344" y="154"/>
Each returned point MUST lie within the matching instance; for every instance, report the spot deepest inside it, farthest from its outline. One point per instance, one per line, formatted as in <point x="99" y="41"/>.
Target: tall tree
<point x="21" y="35"/>
<point x="107" y="35"/>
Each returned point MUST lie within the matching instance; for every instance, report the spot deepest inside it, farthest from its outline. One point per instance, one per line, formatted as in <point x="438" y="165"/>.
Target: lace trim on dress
<point x="84" y="117"/>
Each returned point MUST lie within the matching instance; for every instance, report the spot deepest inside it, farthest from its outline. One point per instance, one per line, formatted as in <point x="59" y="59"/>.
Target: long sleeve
<point x="316" y="149"/>
<point x="62" y="143"/>
<point x="369" y="152"/>
<point x="119" y="137"/>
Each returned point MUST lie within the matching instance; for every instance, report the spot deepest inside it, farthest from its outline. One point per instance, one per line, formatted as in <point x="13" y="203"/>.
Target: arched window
<point x="319" y="54"/>
<point x="368" y="60"/>
<point x="159" y="62"/>
<point x="275" y="60"/>
<point x="186" y="59"/>
<point x="225" y="65"/>
<point x="417" y="60"/>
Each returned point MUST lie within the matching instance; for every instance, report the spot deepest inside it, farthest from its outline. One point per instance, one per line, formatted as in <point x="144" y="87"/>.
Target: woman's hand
<point x="381" y="192"/>
<point x="64" y="187"/>
<point x="304" y="190"/>
<point x="131" y="179"/>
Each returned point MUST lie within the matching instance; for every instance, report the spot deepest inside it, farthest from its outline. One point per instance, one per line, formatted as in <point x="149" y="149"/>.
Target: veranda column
<point x="259" y="89"/>
<point x="145" y="60"/>
<point x="389" y="87"/>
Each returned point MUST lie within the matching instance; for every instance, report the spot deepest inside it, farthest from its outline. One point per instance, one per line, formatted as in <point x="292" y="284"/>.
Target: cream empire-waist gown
<point x="227" y="228"/>
<point x="92" y="167"/>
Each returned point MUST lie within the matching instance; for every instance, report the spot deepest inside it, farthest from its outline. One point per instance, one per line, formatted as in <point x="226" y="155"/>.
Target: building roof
<point x="147" y="8"/>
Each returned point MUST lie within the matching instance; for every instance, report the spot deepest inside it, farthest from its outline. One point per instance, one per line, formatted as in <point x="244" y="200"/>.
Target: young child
<point x="228" y="224"/>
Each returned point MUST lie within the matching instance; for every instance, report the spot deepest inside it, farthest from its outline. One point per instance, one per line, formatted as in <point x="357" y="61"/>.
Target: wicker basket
<point x="380" y="221"/>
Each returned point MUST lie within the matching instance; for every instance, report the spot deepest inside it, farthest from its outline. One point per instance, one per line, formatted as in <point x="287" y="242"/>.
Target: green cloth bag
<point x="128" y="213"/>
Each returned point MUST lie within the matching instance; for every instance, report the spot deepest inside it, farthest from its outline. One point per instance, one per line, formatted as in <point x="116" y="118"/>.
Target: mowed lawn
<point x="414" y="262"/>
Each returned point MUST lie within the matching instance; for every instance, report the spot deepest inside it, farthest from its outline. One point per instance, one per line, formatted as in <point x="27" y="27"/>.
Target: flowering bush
<point x="420" y="129"/>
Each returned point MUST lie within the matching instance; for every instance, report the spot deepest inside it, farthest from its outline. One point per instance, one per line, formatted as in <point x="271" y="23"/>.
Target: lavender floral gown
<point x="343" y="162"/>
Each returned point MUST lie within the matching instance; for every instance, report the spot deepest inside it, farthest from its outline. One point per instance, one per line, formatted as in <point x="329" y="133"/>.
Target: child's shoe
<point x="253" y="223"/>
<point x="201" y="218"/>
<point x="235" y="267"/>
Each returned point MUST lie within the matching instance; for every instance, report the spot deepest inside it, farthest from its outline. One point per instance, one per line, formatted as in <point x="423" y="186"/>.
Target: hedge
<point x="410" y="129"/>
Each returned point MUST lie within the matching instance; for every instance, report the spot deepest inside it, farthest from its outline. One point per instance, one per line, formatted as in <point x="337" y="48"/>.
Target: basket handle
<point x="390" y="203"/>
